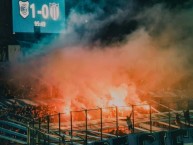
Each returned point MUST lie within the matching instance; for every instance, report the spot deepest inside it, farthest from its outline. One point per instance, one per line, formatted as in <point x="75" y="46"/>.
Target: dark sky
<point x="113" y="30"/>
<point x="117" y="28"/>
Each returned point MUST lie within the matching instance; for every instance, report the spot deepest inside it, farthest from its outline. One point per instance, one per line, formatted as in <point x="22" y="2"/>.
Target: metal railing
<point x="96" y="124"/>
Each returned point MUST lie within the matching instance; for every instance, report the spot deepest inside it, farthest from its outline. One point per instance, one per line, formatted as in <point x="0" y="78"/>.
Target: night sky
<point x="114" y="30"/>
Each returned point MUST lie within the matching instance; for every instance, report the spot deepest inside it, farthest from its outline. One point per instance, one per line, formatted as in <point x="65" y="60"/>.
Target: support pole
<point x="28" y="135"/>
<point x="33" y="124"/>
<point x="39" y="123"/>
<point x="101" y="113"/>
<point x="48" y="126"/>
<point x="39" y="126"/>
<point x="59" y="125"/>
<point x="86" y="123"/>
<point x="71" y="133"/>
<point x="44" y="139"/>
<point x="150" y="119"/>
<point x="189" y="113"/>
<point x="169" y="120"/>
<point x="133" y="118"/>
<point x="117" y="121"/>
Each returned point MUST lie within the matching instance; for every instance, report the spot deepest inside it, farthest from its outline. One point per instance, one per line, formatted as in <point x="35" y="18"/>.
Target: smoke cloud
<point x="110" y="53"/>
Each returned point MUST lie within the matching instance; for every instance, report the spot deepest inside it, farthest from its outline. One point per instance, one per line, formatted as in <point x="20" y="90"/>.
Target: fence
<point x="97" y="124"/>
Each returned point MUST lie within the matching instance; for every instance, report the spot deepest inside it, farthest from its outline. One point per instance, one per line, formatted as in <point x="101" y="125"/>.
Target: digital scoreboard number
<point x="46" y="15"/>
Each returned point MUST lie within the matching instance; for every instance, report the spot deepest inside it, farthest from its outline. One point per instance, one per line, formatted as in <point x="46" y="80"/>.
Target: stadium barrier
<point x="175" y="137"/>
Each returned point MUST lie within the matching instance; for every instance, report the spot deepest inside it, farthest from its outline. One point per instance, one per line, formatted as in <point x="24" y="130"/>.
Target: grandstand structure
<point x="78" y="127"/>
<point x="88" y="126"/>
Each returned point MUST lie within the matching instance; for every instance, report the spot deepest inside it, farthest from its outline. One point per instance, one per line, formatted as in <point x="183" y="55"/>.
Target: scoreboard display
<point x="48" y="16"/>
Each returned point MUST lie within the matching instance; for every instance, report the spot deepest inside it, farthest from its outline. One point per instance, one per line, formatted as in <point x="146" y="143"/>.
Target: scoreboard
<point x="46" y="15"/>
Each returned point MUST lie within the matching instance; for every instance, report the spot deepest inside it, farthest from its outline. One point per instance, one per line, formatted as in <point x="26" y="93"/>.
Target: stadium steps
<point x="11" y="124"/>
<point x="15" y="133"/>
<point x="11" y="131"/>
<point x="12" y="139"/>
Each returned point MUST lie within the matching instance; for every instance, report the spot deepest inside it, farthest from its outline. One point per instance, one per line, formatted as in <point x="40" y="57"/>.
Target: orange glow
<point x="78" y="78"/>
<point x="67" y="110"/>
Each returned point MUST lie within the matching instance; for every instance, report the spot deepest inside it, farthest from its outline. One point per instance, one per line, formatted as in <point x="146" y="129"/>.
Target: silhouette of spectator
<point x="129" y="123"/>
<point x="178" y="122"/>
<point x="63" y="140"/>
<point x="187" y="116"/>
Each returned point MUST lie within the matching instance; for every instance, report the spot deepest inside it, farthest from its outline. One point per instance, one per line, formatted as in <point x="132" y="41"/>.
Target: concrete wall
<point x="176" y="137"/>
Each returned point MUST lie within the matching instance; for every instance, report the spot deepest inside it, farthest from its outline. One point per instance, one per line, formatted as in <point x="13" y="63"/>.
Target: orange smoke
<point x="77" y="78"/>
<point x="90" y="79"/>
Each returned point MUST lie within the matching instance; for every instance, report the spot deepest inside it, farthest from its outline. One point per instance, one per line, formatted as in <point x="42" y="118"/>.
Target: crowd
<point x="28" y="113"/>
<point x="34" y="111"/>
<point x="186" y="116"/>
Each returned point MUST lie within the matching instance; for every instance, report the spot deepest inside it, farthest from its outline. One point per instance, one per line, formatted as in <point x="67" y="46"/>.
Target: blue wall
<point x="177" y="137"/>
